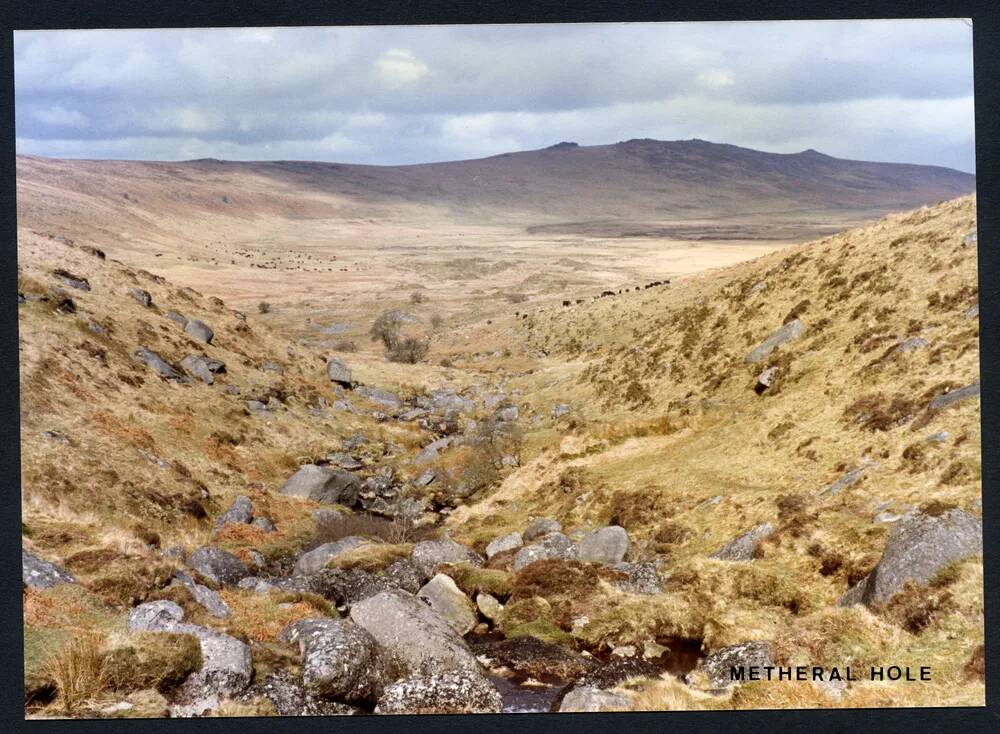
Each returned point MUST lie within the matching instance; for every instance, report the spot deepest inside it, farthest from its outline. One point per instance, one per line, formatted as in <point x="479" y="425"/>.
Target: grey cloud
<point x="412" y="94"/>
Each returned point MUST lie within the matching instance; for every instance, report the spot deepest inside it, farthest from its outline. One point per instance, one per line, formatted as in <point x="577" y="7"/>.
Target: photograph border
<point x="80" y="14"/>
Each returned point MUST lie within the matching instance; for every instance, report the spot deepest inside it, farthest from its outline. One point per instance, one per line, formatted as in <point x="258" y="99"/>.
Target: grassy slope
<point x="664" y="418"/>
<point x="667" y="418"/>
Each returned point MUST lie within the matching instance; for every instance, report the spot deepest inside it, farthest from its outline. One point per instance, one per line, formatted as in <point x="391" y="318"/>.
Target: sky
<point x="898" y="90"/>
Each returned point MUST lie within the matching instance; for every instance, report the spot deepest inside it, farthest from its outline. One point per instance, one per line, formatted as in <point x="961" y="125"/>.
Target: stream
<point x="522" y="699"/>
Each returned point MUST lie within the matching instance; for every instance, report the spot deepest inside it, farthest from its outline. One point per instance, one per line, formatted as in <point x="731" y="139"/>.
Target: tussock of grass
<point x="373" y="557"/>
<point x="78" y="671"/>
<point x="159" y="660"/>
<point x="472" y="579"/>
<point x="263" y="616"/>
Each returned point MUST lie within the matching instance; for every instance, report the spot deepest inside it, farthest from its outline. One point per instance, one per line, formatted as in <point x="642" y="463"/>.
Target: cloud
<point x="399" y="67"/>
<point x="60" y="116"/>
<point x="394" y="94"/>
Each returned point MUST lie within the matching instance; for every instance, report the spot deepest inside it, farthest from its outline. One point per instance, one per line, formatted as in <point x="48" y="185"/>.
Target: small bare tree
<point x="409" y="350"/>
<point x="386" y="329"/>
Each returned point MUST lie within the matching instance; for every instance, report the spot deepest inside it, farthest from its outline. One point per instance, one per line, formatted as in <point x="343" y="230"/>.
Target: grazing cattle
<point x="579" y="300"/>
<point x="605" y="294"/>
<point x="566" y="303"/>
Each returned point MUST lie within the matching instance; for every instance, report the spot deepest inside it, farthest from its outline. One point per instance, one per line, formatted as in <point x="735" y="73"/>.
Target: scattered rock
<point x="489" y="606"/>
<point x="157" y="363"/>
<point x="765" y="379"/>
<point x="541" y="526"/>
<point x="38" y="573"/>
<point x="337" y="371"/>
<point x="425" y="478"/>
<point x="56" y="436"/>
<point x="972" y="312"/>
<point x="315" y="560"/>
<point x="73" y="281"/>
<point x="716" y="667"/>
<point x="202" y="367"/>
<point x="239" y="513"/>
<point x="403" y="574"/>
<point x="918" y="548"/>
<point x="414" y="638"/>
<point x="154" y="616"/>
<point x="911" y="344"/>
<point x="141" y="296"/>
<point x="507" y="415"/>
<point x="430" y="452"/>
<point x="603" y="545"/>
<point x="339" y="660"/>
<point x="264" y="523"/>
<point x="450" y="692"/>
<point x="429" y="554"/>
<point x="559" y="410"/>
<point x="344" y="461"/>
<point x="503" y="544"/>
<point x="790" y="331"/>
<point x="342" y="586"/>
<point x="445" y="598"/>
<point x="322" y="484"/>
<point x="850" y="478"/>
<point x="199" y="330"/>
<point x="954" y="396"/>
<point x="213" y="603"/>
<point x="640" y="578"/>
<point x="530" y="657"/>
<point x="226" y="670"/>
<point x="290" y="698"/>
<point x="176" y="317"/>
<point x="217" y="565"/>
<point x="587" y="699"/>
<point x="971" y="239"/>
<point x="741" y="548"/>
<point x="553" y="545"/>
<point x="379" y="397"/>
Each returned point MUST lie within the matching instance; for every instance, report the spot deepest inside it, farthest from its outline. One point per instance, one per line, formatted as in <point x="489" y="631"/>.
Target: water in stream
<point x="522" y="699"/>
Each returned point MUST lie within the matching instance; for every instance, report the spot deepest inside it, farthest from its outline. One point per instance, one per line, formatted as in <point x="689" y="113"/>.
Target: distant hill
<point x="635" y="184"/>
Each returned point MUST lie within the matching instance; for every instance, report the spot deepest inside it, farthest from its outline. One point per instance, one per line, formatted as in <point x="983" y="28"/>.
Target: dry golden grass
<point x="263" y="616"/>
<point x="79" y="671"/>
<point x="374" y="557"/>
<point x="666" y="437"/>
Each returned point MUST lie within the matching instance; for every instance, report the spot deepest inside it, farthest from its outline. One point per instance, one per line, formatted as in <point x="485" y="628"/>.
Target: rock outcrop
<point x="918" y="548"/>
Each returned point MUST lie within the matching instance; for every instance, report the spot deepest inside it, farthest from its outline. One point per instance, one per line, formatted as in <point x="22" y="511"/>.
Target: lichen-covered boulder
<point x="448" y="692"/>
<point x="322" y="484"/>
<point x="37" y="573"/>
<point x="603" y="545"/>
<point x="918" y="548"/>
<point x="413" y="637"/>
<point x="445" y="598"/>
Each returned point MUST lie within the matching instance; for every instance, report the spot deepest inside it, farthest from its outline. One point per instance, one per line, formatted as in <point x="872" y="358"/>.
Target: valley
<point x="571" y="501"/>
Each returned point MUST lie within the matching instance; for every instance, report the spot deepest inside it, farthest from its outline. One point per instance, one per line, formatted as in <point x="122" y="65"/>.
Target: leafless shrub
<point x="409" y="350"/>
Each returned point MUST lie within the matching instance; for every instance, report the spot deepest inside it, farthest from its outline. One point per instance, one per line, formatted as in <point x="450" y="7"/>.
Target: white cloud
<point x="715" y="78"/>
<point x="399" y="67"/>
<point x="61" y="116"/>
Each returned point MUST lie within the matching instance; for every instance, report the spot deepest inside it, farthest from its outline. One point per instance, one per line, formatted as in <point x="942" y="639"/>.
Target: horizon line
<point x="564" y="145"/>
